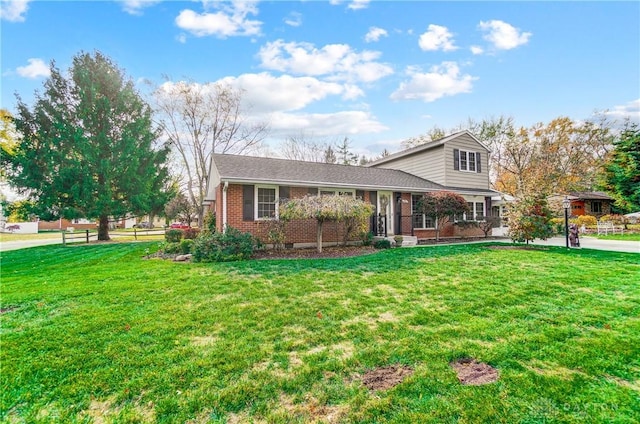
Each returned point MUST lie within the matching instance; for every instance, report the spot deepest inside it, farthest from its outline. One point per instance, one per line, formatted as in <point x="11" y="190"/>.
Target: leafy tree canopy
<point x="530" y="219"/>
<point x="326" y="208"/>
<point x="622" y="172"/>
<point x="441" y="206"/>
<point x="88" y="147"/>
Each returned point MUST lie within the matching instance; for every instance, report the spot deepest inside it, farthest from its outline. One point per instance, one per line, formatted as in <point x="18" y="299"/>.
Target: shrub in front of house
<point x="190" y="233"/>
<point x="382" y="244"/>
<point x="186" y="245"/>
<point x="558" y="225"/>
<point x="616" y="219"/>
<point x="586" y="220"/>
<point x="170" y="247"/>
<point x="230" y="245"/>
<point x="173" y="235"/>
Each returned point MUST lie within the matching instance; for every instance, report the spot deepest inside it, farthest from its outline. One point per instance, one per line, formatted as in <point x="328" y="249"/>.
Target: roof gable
<point x="426" y="146"/>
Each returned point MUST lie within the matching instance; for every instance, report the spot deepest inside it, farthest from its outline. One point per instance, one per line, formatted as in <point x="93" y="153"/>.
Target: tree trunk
<point x="320" y="236"/>
<point x="103" y="229"/>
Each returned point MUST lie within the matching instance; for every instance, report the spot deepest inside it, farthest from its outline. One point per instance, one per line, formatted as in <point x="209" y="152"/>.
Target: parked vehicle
<point x="179" y="225"/>
<point x="143" y="224"/>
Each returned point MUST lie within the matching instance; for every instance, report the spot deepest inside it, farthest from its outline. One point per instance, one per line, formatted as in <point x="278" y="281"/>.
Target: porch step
<point x="409" y="241"/>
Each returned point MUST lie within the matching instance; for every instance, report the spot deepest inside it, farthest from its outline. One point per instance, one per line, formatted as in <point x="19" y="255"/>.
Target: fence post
<point x="135" y="233"/>
<point x="64" y="239"/>
<point x="87" y="236"/>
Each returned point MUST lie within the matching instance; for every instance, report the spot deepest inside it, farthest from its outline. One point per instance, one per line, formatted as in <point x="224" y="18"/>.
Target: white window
<point x="334" y="192"/>
<point x="266" y="202"/>
<point x="467" y="161"/>
<point x="419" y="220"/>
<point x="476" y="211"/>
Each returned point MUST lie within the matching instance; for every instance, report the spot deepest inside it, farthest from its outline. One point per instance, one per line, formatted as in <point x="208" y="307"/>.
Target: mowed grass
<point x="624" y="237"/>
<point x="97" y="334"/>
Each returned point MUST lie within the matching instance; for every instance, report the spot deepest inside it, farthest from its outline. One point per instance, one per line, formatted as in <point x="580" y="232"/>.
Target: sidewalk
<point x="22" y="244"/>
<point x="594" y="243"/>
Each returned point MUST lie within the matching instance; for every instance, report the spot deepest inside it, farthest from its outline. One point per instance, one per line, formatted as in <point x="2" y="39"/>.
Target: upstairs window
<point x="464" y="160"/>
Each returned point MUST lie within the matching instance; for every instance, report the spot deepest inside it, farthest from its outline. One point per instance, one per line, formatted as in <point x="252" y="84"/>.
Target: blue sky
<point x="378" y="72"/>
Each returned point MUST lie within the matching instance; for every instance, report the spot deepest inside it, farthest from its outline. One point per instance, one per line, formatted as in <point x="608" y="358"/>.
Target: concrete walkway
<point x="23" y="244"/>
<point x="594" y="243"/>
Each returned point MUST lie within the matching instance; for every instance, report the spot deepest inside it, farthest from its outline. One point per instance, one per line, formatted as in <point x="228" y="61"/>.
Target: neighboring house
<point x="64" y="224"/>
<point x="595" y="203"/>
<point x="245" y="191"/>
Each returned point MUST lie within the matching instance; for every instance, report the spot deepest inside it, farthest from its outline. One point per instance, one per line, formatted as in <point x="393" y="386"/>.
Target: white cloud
<point x="335" y="61"/>
<point x="476" y="50"/>
<point x="358" y="4"/>
<point x="350" y="122"/>
<point x="353" y="4"/>
<point x="374" y="34"/>
<point x="135" y="7"/>
<point x="230" y="20"/>
<point x="442" y="80"/>
<point x="13" y="10"/>
<point x="294" y="19"/>
<point x="281" y="100"/>
<point x="502" y="35"/>
<point x="437" y="38"/>
<point x="631" y="110"/>
<point x="35" y="69"/>
<point x="264" y="92"/>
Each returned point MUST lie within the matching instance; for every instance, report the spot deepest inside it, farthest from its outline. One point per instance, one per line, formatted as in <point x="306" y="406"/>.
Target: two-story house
<point x="245" y="192"/>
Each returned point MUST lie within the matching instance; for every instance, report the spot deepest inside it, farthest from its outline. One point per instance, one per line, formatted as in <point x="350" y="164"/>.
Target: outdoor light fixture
<point x="566" y="204"/>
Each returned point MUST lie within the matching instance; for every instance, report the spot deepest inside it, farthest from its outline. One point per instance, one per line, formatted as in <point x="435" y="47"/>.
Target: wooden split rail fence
<point x="88" y="235"/>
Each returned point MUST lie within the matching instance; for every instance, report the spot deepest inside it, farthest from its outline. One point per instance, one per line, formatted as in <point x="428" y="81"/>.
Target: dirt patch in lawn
<point x="8" y="309"/>
<point x="474" y="373"/>
<point x="386" y="377"/>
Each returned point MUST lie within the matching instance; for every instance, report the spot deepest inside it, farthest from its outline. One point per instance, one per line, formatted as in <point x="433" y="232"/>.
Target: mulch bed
<point x="312" y="253"/>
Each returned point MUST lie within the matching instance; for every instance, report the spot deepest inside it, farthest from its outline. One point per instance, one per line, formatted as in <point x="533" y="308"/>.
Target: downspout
<point x="224" y="205"/>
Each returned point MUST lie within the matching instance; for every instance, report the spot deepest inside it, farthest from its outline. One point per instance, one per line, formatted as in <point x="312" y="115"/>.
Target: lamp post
<point x="566" y="204"/>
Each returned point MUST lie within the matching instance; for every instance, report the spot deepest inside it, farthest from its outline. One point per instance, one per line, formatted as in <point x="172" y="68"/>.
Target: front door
<point x="385" y="208"/>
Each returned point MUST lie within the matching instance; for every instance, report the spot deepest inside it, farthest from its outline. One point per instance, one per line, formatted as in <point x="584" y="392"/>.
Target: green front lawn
<point x="96" y="333"/>
<point x="625" y="237"/>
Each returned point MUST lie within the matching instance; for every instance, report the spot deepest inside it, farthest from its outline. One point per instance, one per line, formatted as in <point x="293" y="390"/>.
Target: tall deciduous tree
<point x="622" y="172"/>
<point x="301" y="147"/>
<point x="441" y="206"/>
<point x="327" y="208"/>
<point x="89" y="147"/>
<point x="200" y="120"/>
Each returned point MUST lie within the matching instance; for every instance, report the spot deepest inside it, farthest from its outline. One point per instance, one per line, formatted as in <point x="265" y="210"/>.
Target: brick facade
<point x="304" y="232"/>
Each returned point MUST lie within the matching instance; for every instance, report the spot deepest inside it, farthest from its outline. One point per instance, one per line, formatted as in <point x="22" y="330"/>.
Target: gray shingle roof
<point x="234" y="168"/>
<point x="591" y="195"/>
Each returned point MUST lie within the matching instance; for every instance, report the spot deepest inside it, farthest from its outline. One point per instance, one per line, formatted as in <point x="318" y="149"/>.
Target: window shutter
<point x="456" y="159"/>
<point x="478" y="162"/>
<point x="284" y="193"/>
<point x="360" y="194"/>
<point x="247" y="203"/>
<point x="373" y="199"/>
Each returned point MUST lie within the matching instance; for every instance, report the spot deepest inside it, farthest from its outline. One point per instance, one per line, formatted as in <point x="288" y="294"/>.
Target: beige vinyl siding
<point x="465" y="179"/>
<point x="426" y="164"/>
<point x="213" y="183"/>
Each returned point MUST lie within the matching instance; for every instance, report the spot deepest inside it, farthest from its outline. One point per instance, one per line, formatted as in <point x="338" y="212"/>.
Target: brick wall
<point x="305" y="231"/>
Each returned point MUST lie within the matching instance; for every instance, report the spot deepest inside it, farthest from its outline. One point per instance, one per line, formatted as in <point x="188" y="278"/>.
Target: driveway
<point x="594" y="243"/>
